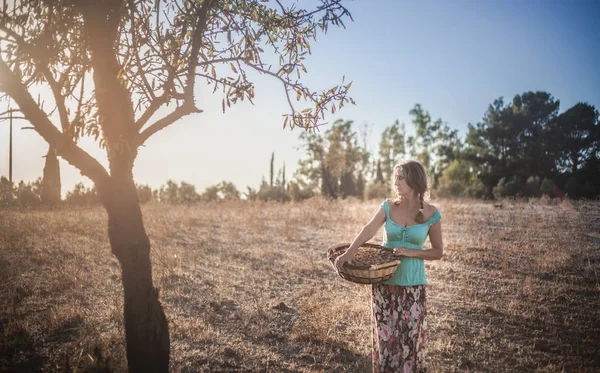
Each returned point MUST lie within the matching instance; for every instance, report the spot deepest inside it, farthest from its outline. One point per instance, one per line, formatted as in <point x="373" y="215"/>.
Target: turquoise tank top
<point x="410" y="271"/>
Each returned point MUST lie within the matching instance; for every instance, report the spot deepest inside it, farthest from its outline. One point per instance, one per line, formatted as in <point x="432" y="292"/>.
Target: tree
<point x="576" y="135"/>
<point x="332" y="161"/>
<point x="435" y="144"/>
<point x="391" y="148"/>
<point x="121" y="71"/>
<point x="145" y="193"/>
<point x="455" y="179"/>
<point x="272" y="169"/>
<point x="275" y="190"/>
<point x="228" y="191"/>
<point x="82" y="196"/>
<point x="28" y="194"/>
<point x="51" y="180"/>
<point x="6" y="192"/>
<point x="592" y="176"/>
<point x="515" y="140"/>
<point x="533" y="112"/>
<point x="425" y="135"/>
<point x="379" y="178"/>
<point x="447" y="150"/>
<point x="283" y="182"/>
<point x="492" y="144"/>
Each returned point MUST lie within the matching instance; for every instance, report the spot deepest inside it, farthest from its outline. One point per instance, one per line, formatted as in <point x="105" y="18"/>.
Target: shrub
<point x="475" y="190"/>
<point x="174" y="194"/>
<point x="29" y="194"/>
<point x="297" y="193"/>
<point x="547" y="187"/>
<point x="277" y="192"/>
<point x="169" y="193"/>
<point x="6" y="192"/>
<point x="145" y="193"/>
<point x="187" y="194"/>
<point x="455" y="179"/>
<point x="22" y="195"/>
<point x="532" y="187"/>
<point x="211" y="193"/>
<point x="575" y="189"/>
<point x="377" y="190"/>
<point x="227" y="190"/>
<point x="224" y="190"/>
<point x="512" y="187"/>
<point x="82" y="196"/>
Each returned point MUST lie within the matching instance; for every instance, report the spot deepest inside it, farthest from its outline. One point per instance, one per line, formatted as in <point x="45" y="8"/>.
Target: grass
<point x="247" y="288"/>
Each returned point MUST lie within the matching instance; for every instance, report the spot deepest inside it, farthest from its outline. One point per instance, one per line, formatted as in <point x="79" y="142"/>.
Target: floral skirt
<point x="399" y="328"/>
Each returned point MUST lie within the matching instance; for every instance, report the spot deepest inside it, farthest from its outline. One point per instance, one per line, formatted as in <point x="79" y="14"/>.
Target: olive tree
<point x="122" y="70"/>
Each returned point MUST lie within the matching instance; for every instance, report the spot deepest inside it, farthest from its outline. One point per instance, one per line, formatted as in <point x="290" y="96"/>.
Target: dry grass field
<point x="247" y="288"/>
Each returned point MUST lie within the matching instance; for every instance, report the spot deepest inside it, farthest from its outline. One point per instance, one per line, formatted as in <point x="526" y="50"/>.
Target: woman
<point x="399" y="304"/>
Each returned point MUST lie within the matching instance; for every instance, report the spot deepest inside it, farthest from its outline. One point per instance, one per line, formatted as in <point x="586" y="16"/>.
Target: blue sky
<point x="452" y="57"/>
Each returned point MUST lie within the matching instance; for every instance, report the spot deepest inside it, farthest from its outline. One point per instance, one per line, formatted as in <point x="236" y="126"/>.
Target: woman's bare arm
<point x="368" y="231"/>
<point x="365" y="234"/>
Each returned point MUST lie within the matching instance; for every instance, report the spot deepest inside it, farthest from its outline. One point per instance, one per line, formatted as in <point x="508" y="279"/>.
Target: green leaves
<point x="161" y="53"/>
<point x="257" y="32"/>
<point x="334" y="161"/>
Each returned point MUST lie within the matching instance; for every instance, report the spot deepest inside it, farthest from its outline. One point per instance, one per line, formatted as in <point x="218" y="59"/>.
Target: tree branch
<point x="188" y="106"/>
<point x="54" y="86"/>
<point x="155" y="104"/>
<point x="320" y="106"/>
<point x="64" y="146"/>
<point x="136" y="53"/>
<point x="165" y="121"/>
<point x="302" y="16"/>
<point x="221" y="60"/>
<point x="196" y="45"/>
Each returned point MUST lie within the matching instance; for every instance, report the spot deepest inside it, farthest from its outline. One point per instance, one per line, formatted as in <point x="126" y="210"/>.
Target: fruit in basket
<point x="367" y="256"/>
<point x="371" y="263"/>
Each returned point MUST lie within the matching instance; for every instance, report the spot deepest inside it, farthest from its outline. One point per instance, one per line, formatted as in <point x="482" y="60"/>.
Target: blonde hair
<point x="416" y="178"/>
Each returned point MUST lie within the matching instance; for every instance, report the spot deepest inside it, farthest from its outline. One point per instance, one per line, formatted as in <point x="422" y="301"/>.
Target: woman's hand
<point x="340" y="260"/>
<point x="402" y="251"/>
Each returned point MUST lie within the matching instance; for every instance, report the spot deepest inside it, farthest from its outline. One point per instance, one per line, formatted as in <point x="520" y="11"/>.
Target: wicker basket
<point x="375" y="274"/>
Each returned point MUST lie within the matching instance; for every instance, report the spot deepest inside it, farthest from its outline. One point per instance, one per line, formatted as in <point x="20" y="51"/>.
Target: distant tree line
<point x="30" y="194"/>
<point x="521" y="149"/>
<point x="524" y="148"/>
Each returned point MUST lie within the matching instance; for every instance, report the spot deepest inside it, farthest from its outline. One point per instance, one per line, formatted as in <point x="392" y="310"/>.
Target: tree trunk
<point x="51" y="180"/>
<point x="146" y="327"/>
<point x="328" y="184"/>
